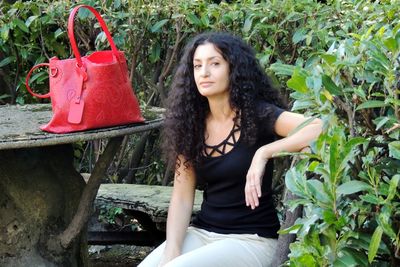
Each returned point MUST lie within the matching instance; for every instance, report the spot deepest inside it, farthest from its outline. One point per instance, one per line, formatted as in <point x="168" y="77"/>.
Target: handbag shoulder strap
<point x="71" y="34"/>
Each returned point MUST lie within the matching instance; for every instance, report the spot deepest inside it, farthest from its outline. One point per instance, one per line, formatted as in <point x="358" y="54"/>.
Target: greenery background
<point x="337" y="60"/>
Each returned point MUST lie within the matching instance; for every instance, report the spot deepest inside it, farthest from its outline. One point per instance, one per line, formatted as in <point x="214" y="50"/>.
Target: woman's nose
<point x="205" y="72"/>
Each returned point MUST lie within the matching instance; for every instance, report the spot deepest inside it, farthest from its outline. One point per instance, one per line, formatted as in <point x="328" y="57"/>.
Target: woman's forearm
<point x="295" y="142"/>
<point x="292" y="143"/>
<point x="179" y="215"/>
<point x="179" y="212"/>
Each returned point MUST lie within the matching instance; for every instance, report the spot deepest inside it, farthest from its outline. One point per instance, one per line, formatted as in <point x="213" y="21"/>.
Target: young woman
<point x="221" y="130"/>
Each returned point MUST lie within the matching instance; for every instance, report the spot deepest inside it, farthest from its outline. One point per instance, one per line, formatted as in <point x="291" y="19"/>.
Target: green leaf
<point x="394" y="182"/>
<point x="313" y="165"/>
<point x="177" y="16"/>
<point x="83" y="13"/>
<point x="329" y="217"/>
<point x="314" y="82"/>
<point x="39" y="76"/>
<point x="205" y="20"/>
<point x="157" y="27"/>
<point x="247" y="24"/>
<point x="12" y="12"/>
<point x="380" y="58"/>
<point x="309" y="37"/>
<point x="381" y="121"/>
<point x="391" y="44"/>
<point x="59" y="32"/>
<point x="291" y="230"/>
<point x="100" y="38"/>
<point x="227" y="18"/>
<point x="117" y="4"/>
<point x="303" y="104"/>
<point x="359" y="257"/>
<point x="20" y="100"/>
<point x="29" y="21"/>
<point x="155" y="52"/>
<point x="330" y="85"/>
<point x="394" y="149"/>
<point x="6" y="61"/>
<point x="395" y="135"/>
<point x="307" y="223"/>
<point x="362" y="242"/>
<point x="294" y="203"/>
<point x="24" y="53"/>
<point x="383" y="222"/>
<point x="345" y="261"/>
<point x="298" y="81"/>
<point x="299" y="36"/>
<point x="375" y="242"/>
<point x="317" y="189"/>
<point x="305" y="260"/>
<point x="20" y="24"/>
<point x="370" y="199"/>
<point x="193" y="19"/>
<point x="4" y="32"/>
<point x="352" y="187"/>
<point x="4" y="96"/>
<point x="282" y="69"/>
<point x="349" y="152"/>
<point x="372" y="104"/>
<point x="330" y="59"/>
<point x="334" y="156"/>
<point x="292" y="185"/>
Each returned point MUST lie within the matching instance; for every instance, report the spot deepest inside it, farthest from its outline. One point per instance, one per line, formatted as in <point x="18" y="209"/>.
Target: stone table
<point x="44" y="201"/>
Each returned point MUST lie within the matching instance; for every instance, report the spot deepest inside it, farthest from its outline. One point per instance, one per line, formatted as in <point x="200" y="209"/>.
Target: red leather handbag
<point x="89" y="92"/>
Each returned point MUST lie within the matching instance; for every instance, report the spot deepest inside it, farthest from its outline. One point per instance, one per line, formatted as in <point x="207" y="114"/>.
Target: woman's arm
<point x="286" y="123"/>
<point x="180" y="211"/>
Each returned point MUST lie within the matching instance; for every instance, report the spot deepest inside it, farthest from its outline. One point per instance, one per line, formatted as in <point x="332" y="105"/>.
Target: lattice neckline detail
<point x="220" y="149"/>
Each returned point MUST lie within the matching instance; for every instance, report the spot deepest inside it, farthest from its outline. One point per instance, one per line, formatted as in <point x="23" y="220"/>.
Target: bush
<point x="349" y="185"/>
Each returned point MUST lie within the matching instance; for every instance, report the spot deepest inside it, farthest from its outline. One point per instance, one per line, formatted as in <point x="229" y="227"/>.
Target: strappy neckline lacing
<point x="220" y="149"/>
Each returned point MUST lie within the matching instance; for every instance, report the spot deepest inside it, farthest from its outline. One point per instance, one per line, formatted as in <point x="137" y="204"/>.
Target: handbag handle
<point x="28" y="77"/>
<point x="72" y="36"/>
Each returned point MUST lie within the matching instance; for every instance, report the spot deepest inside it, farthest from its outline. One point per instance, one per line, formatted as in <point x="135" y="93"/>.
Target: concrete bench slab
<point x="150" y="199"/>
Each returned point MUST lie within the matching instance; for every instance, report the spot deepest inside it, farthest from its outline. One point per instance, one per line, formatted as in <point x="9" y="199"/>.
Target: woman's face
<point x="211" y="71"/>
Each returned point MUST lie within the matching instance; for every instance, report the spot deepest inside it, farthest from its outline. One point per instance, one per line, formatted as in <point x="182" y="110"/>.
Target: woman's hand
<point x="254" y="178"/>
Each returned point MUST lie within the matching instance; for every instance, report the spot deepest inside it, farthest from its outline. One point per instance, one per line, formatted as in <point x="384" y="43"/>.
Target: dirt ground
<point x="117" y="255"/>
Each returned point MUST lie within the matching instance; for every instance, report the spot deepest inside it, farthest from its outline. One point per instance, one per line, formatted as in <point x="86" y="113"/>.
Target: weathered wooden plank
<point x="19" y="127"/>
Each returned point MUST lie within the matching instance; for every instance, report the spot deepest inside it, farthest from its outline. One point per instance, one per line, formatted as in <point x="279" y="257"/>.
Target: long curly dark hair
<point x="187" y="109"/>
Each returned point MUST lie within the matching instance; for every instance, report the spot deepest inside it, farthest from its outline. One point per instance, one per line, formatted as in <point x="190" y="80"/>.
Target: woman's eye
<point x="215" y="63"/>
<point x="197" y="66"/>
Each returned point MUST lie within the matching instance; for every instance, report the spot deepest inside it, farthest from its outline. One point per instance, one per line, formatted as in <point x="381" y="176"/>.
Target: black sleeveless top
<point x="223" y="178"/>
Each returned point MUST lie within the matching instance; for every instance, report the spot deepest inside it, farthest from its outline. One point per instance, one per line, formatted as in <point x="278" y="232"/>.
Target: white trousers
<point x="202" y="248"/>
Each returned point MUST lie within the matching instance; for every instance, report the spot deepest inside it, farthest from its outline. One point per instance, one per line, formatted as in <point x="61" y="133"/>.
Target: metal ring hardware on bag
<point x="29" y="76"/>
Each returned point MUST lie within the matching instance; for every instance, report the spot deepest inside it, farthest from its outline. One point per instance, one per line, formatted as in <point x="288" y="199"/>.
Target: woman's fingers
<point x="252" y="191"/>
<point x="258" y="190"/>
<point x="254" y="180"/>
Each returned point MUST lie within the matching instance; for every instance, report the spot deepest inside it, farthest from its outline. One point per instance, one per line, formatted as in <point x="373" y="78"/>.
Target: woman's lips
<point x="206" y="84"/>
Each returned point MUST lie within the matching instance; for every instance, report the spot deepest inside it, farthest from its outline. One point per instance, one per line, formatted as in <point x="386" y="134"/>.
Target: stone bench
<point x="148" y="204"/>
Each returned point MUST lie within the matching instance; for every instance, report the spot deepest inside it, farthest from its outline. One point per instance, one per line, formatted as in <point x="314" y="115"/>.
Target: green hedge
<point x="337" y="60"/>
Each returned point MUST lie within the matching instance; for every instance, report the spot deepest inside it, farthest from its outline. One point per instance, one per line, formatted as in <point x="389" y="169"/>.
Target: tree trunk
<point x="39" y="194"/>
<point x="284" y="241"/>
<point x="136" y="157"/>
